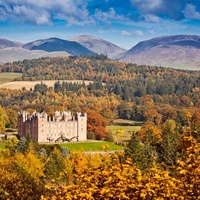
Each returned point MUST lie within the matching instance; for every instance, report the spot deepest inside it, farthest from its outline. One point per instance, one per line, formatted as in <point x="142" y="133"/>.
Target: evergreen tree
<point x="55" y="164"/>
<point x="170" y="142"/>
<point x="136" y="151"/>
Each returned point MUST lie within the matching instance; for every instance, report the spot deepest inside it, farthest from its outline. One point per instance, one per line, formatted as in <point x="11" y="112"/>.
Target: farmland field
<point x="30" y="84"/>
<point x="128" y="127"/>
<point x="8" y="77"/>
<point x="90" y="146"/>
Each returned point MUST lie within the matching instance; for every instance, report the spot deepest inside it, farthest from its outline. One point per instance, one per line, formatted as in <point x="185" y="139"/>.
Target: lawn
<point x="91" y="146"/>
<point x="8" y="77"/>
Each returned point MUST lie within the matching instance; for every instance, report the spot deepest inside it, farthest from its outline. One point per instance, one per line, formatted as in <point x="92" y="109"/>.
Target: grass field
<point x="129" y="126"/>
<point x="30" y="84"/>
<point x="128" y="130"/>
<point x="8" y="77"/>
<point x="2" y="145"/>
<point x="91" y="146"/>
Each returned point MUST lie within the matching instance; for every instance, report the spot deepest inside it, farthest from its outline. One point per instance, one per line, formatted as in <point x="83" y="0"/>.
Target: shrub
<point x="91" y="136"/>
<point x="109" y="138"/>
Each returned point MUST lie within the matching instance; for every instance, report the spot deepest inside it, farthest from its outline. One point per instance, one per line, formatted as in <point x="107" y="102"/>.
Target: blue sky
<point x="123" y="22"/>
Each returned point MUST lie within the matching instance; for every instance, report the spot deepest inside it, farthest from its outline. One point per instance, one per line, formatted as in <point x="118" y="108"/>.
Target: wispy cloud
<point x="152" y="32"/>
<point x="134" y="33"/>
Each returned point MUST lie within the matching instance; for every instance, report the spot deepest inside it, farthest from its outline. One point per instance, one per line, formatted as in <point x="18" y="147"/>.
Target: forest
<point x="160" y="161"/>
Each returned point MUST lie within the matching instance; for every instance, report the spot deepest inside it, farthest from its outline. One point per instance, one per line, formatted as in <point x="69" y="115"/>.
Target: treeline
<point x="127" y="80"/>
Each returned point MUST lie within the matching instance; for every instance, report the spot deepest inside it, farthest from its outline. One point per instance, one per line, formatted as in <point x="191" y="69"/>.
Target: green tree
<point x="136" y="151"/>
<point x="170" y="142"/>
<point x="12" y="118"/>
<point x="3" y="119"/>
<point x="55" y="164"/>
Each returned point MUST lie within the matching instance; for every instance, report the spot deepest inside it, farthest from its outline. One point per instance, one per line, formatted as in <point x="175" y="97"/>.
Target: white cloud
<point x="151" y="18"/>
<point x="111" y="14"/>
<point x="145" y="5"/>
<point x="190" y="12"/>
<point x="45" y="11"/>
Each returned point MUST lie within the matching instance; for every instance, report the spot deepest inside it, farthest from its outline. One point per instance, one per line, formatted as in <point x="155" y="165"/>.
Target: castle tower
<point x="82" y="126"/>
<point x="42" y="127"/>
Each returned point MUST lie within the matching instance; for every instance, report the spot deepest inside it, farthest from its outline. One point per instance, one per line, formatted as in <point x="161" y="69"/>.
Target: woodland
<point x="160" y="161"/>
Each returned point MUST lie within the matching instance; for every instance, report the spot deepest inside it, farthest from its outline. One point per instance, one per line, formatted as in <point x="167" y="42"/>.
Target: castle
<point x="61" y="126"/>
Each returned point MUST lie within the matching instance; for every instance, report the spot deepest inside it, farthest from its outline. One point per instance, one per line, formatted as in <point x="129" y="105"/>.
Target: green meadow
<point x="127" y="127"/>
<point x="91" y="146"/>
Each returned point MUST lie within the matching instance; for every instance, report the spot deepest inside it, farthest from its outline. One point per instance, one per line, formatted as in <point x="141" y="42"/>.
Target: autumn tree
<point x="96" y="124"/>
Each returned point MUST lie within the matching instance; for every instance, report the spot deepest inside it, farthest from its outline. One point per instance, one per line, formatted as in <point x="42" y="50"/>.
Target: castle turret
<point x="82" y="126"/>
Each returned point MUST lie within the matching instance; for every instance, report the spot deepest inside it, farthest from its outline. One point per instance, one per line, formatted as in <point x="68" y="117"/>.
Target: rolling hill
<point x="99" y="46"/>
<point x="178" y="51"/>
<point x="4" y="43"/>
<point x="56" y="44"/>
<point x="18" y="54"/>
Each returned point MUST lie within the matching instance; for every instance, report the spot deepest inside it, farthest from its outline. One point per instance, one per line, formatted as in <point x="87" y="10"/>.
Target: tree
<point x="41" y="88"/>
<point x="3" y="119"/>
<point x="136" y="151"/>
<point x="169" y="144"/>
<point x="54" y="165"/>
<point x="12" y="118"/>
<point x="125" y="110"/>
<point x="96" y="124"/>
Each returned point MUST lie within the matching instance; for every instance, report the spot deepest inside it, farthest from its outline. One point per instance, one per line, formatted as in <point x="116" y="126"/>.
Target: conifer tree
<point x="136" y="151"/>
<point x="170" y="142"/>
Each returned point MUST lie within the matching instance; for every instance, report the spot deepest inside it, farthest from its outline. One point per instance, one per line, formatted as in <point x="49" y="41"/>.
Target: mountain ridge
<point x="99" y="46"/>
<point x="57" y="44"/>
<point x="175" y="51"/>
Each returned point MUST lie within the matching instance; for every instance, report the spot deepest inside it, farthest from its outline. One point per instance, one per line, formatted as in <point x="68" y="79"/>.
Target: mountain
<point x="178" y="51"/>
<point x="18" y="54"/>
<point x="4" y="43"/>
<point x="99" y="46"/>
<point x="56" y="44"/>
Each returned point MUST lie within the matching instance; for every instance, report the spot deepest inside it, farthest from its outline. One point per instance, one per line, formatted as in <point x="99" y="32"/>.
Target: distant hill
<point x="56" y="44"/>
<point x="178" y="51"/>
<point x="18" y="54"/>
<point x="4" y="43"/>
<point x="99" y="46"/>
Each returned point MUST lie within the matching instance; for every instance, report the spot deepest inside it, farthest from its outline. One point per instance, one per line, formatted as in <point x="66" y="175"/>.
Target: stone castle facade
<point x="61" y="126"/>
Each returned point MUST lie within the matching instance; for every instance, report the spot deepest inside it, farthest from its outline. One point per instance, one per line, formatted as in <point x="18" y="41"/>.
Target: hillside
<point x="4" y="43"/>
<point x="178" y="51"/>
<point x="18" y="54"/>
<point x="99" y="45"/>
<point x="56" y="44"/>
